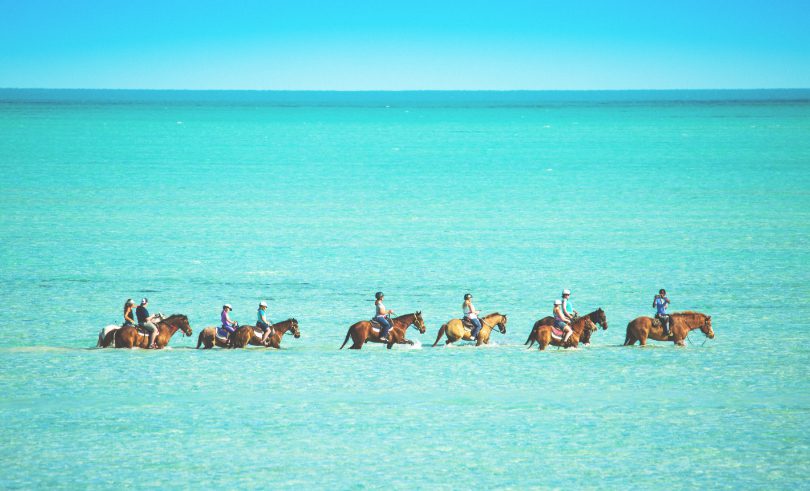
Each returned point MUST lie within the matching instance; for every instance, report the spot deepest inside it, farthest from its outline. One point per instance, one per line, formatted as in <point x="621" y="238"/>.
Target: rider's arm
<point x="654" y="299"/>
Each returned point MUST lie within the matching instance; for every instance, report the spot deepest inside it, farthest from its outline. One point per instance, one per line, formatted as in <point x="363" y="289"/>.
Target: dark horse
<point x="681" y="323"/>
<point x="541" y="331"/>
<point x="246" y="335"/>
<point x="362" y="332"/>
<point x="130" y="337"/>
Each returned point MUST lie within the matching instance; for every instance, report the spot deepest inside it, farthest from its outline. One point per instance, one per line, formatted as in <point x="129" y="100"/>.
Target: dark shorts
<point x="560" y="325"/>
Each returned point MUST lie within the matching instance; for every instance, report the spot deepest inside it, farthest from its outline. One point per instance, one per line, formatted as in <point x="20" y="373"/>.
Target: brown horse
<point x="455" y="329"/>
<point x="362" y="332"/>
<point x="542" y="334"/>
<point x="681" y="323"/>
<point x="129" y="337"/>
<point x="251" y="335"/>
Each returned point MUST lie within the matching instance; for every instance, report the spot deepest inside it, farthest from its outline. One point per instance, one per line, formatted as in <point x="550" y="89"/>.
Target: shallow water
<point x="315" y="201"/>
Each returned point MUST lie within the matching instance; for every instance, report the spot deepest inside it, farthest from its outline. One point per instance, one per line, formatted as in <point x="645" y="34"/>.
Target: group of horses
<point x="543" y="331"/>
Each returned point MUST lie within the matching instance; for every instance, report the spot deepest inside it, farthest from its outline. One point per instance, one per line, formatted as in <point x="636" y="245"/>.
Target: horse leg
<point x="543" y="339"/>
<point x="642" y="338"/>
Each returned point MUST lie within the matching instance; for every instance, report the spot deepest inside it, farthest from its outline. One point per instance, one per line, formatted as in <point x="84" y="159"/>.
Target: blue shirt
<point x="661" y="305"/>
<point x="260" y="317"/>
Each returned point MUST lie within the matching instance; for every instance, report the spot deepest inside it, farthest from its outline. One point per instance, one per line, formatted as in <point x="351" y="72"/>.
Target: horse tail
<point x="628" y="337"/>
<point x="442" y="330"/>
<point x="530" y="339"/>
<point x="348" y="333"/>
<point x="199" y="338"/>
<point x="100" y="342"/>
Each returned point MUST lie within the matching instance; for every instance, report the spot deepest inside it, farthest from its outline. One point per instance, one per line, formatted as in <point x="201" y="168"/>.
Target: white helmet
<point x="130" y="302"/>
<point x="558" y="302"/>
<point x="227" y="306"/>
<point x="566" y="292"/>
<point x="262" y="304"/>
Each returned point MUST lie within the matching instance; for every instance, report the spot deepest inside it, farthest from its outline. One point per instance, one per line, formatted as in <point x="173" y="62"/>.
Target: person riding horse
<point x="228" y="326"/>
<point x="145" y="322"/>
<point x="660" y="304"/>
<point x="381" y="316"/>
<point x="568" y="309"/>
<point x="471" y="315"/>
<point x="129" y="319"/>
<point x="263" y="323"/>
<point x="561" y="321"/>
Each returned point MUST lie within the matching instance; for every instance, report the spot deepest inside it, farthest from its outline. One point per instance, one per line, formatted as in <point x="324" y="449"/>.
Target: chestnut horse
<point x="680" y="324"/>
<point x="585" y="339"/>
<point x="541" y="331"/>
<point x="362" y="332"/>
<point x="246" y="335"/>
<point x="455" y="329"/>
<point x="129" y="337"/>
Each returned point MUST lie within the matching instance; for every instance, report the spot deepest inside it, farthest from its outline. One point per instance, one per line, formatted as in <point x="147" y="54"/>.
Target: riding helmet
<point x="378" y="295"/>
<point x="467" y="296"/>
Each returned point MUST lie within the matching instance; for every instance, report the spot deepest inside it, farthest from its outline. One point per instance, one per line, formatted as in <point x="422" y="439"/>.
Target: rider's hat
<point x="467" y="295"/>
<point x="558" y="302"/>
<point x="378" y="295"/>
<point x="262" y="304"/>
<point x="566" y="292"/>
<point x="144" y="301"/>
<point x="227" y="306"/>
<point x="130" y="302"/>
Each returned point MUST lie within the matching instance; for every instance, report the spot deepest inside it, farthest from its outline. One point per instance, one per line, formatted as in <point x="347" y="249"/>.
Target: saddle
<point x="656" y="322"/>
<point x="374" y="324"/>
<point x="557" y="333"/>
<point x="467" y="323"/>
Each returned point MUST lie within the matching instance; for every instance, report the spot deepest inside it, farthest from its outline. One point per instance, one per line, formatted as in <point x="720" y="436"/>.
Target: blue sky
<point x="396" y="45"/>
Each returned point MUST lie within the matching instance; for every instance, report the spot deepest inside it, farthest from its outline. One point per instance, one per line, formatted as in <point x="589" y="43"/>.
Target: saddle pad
<point x="556" y="333"/>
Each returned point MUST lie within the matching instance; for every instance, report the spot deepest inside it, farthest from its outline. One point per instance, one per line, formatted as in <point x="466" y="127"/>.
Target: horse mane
<point x="688" y="313"/>
<point x="492" y="315"/>
<point x="174" y="317"/>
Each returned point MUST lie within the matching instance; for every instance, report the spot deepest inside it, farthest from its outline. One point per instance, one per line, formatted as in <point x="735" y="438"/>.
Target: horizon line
<point x="410" y="90"/>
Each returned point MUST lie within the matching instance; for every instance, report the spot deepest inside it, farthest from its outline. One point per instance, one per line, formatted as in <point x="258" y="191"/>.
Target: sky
<point x="405" y="45"/>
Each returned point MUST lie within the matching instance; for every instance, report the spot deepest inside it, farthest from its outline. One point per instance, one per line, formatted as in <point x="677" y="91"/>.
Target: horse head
<point x="601" y="318"/>
<point x="294" y="328"/>
<point x="502" y="324"/>
<point x="419" y="322"/>
<point x="706" y="328"/>
<point x="179" y="321"/>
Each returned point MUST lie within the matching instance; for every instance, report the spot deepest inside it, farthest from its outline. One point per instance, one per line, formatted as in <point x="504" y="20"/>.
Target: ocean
<point x="313" y="201"/>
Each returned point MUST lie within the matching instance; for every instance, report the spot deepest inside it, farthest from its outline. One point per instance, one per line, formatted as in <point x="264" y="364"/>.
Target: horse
<point x="246" y="335"/>
<point x="362" y="332"/>
<point x="455" y="329"/>
<point x="680" y="323"/>
<point x="542" y="331"/>
<point x="130" y="337"/>
<point x="208" y="339"/>
<point x="585" y="338"/>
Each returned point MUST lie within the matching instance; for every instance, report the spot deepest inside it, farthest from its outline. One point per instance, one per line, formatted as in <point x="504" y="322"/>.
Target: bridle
<point x="500" y="325"/>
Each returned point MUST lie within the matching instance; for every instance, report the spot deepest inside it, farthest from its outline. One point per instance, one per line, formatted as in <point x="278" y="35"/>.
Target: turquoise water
<point x="314" y="201"/>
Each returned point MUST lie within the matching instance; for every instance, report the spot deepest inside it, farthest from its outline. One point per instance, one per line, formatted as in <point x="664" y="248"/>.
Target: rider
<point x="146" y="323"/>
<point x="561" y="321"/>
<point x="660" y="304"/>
<point x="380" y="316"/>
<point x="228" y="325"/>
<point x="129" y="320"/>
<point x="262" y="323"/>
<point x="568" y="309"/>
<point x="471" y="315"/>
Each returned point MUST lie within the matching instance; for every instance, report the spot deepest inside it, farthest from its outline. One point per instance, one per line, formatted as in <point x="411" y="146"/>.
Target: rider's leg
<point x="476" y="327"/>
<point x="385" y="326"/>
<point x="152" y="333"/>
<point x="568" y="333"/>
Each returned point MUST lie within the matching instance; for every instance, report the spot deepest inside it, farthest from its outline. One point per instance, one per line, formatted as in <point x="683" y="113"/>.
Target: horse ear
<point x="708" y="317"/>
